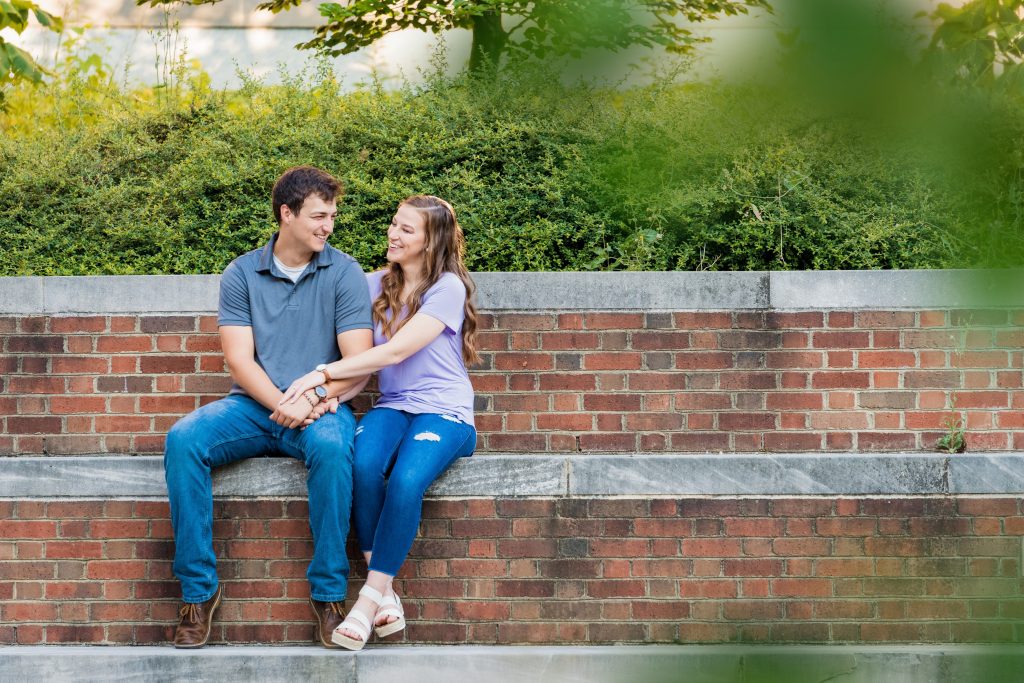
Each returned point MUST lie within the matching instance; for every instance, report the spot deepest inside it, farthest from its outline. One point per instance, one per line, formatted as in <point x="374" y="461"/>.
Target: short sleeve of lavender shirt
<point x="446" y="301"/>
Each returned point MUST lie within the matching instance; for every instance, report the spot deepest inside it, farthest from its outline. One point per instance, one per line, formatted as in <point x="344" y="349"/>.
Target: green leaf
<point x="5" y="63"/>
<point x="47" y="20"/>
<point x="21" y="64"/>
<point x="13" y="16"/>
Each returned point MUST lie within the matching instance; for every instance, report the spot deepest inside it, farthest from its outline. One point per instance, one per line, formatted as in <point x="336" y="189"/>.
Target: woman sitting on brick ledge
<point x="423" y="419"/>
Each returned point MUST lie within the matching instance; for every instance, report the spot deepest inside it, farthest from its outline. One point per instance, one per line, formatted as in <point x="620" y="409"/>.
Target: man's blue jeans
<point x="237" y="427"/>
<point x="399" y="455"/>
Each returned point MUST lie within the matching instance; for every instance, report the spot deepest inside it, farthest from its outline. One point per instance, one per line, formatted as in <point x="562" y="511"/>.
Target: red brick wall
<point x="568" y="570"/>
<point x="546" y="571"/>
<point x="566" y="382"/>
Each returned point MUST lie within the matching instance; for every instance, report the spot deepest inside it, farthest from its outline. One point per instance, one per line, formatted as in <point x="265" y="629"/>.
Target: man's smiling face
<point x="311" y="227"/>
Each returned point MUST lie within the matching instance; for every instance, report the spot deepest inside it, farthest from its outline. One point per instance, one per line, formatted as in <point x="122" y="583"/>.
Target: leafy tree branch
<point x="539" y="28"/>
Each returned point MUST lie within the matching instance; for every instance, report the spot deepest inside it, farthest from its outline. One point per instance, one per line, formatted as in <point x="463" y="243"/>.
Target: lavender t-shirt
<point x="434" y="379"/>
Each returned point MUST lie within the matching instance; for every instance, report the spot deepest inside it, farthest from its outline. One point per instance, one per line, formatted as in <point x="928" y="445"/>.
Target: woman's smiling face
<point x="407" y="237"/>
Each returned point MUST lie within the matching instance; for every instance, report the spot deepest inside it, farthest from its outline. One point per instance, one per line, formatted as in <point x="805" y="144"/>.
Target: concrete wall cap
<point x="528" y="475"/>
<point x="646" y="291"/>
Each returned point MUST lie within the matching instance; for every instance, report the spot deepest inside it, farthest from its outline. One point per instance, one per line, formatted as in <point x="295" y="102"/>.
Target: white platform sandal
<point x="358" y="622"/>
<point x="390" y="606"/>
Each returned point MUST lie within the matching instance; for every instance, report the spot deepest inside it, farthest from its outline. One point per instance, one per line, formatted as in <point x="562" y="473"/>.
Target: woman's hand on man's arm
<point x="414" y="335"/>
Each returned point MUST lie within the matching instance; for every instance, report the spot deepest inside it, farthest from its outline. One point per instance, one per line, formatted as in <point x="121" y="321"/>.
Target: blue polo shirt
<point x="295" y="325"/>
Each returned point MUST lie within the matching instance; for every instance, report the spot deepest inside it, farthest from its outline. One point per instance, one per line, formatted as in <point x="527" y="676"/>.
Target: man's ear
<point x="287" y="216"/>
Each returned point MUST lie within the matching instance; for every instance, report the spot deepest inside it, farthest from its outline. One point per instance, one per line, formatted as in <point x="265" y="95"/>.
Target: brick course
<point x="683" y="381"/>
<point x="546" y="571"/>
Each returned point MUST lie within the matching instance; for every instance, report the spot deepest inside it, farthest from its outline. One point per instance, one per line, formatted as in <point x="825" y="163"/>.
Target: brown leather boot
<point x="328" y="616"/>
<point x="196" y="620"/>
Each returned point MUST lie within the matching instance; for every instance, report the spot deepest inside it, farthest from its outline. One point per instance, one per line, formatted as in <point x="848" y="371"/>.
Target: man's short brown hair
<point x="297" y="183"/>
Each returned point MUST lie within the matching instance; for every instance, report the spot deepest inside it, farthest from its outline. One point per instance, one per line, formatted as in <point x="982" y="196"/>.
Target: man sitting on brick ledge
<point x="284" y="308"/>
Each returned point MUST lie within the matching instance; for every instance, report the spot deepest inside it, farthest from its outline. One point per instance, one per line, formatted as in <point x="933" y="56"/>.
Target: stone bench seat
<point x="537" y="475"/>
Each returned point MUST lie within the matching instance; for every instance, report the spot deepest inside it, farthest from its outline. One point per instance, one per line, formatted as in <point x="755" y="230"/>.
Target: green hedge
<point x="95" y="179"/>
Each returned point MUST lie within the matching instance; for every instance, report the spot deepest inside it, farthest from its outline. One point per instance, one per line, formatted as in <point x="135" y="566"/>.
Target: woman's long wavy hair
<point x="444" y="248"/>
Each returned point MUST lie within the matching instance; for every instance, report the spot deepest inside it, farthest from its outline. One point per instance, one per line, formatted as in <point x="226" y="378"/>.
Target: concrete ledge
<point x="649" y="664"/>
<point x="110" y="294"/>
<point x="873" y="289"/>
<point x="647" y="291"/>
<point x="760" y="475"/>
<point x="143" y="477"/>
<point x="525" y="475"/>
<point x="621" y="290"/>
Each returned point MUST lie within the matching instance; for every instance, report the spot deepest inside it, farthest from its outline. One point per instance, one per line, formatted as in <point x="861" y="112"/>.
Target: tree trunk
<point x="489" y="40"/>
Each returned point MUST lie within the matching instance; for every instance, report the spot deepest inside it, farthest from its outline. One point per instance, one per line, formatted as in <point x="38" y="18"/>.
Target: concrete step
<point x="485" y="664"/>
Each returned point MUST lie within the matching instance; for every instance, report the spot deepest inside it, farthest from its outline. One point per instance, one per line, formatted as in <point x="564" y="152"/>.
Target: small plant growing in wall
<point x="954" y="440"/>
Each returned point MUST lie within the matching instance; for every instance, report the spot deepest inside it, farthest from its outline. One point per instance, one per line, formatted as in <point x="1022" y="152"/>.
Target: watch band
<point x="323" y="369"/>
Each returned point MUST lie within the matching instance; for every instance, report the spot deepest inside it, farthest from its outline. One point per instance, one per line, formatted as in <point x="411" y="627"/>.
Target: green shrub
<point x="96" y="179"/>
<point x="737" y="178"/>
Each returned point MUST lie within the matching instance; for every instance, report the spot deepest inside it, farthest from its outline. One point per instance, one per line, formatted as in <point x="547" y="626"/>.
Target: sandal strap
<point x="372" y="593"/>
<point x="391" y="606"/>
<point x="356" y="621"/>
<point x="391" y="601"/>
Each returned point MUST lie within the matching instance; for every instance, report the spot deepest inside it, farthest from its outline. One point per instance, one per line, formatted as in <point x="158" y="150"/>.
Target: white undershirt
<point x="292" y="273"/>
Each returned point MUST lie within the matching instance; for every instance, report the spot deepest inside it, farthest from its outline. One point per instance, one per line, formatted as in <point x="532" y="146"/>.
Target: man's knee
<point x="181" y="440"/>
<point x="329" y="439"/>
<point x="188" y="440"/>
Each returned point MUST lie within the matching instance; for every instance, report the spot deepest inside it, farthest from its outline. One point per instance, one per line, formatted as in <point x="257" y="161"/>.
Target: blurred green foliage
<point x="96" y="178"/>
<point x="984" y="39"/>
<point x="16" y="65"/>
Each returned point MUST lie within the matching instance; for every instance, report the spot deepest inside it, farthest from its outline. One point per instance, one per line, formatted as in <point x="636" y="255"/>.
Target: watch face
<point x="321" y="391"/>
